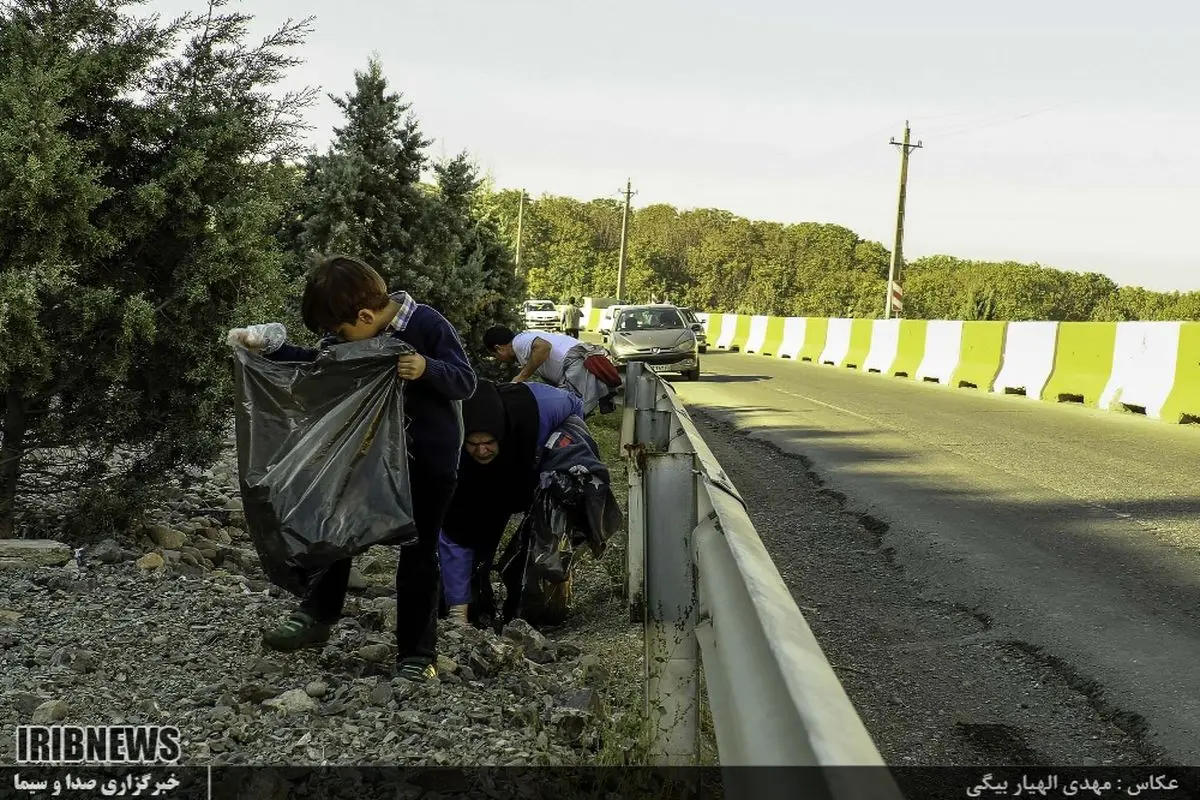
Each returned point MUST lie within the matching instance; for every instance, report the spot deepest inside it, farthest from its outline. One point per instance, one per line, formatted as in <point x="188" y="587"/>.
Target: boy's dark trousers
<point x="418" y="574"/>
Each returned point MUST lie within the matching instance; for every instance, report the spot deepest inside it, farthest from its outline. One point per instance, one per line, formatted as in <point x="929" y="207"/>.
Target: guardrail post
<point x="654" y="418"/>
<point x="635" y="517"/>
<point x="672" y="608"/>
<point x="635" y="545"/>
<point x="633" y="374"/>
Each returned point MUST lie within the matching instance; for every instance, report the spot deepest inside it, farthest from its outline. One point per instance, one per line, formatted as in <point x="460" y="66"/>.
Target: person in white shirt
<point x="583" y="369"/>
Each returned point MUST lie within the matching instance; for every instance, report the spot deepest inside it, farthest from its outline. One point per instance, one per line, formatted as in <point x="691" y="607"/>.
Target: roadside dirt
<point x="932" y="681"/>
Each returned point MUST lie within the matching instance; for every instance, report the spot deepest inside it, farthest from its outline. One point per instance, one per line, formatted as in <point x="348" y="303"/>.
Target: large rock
<point x="536" y="646"/>
<point x="586" y="700"/>
<point x="489" y="658"/>
<point x="569" y="723"/>
<point x="151" y="562"/>
<point x="24" y="702"/>
<point x="106" y="552"/>
<point x="50" y="711"/>
<point x="258" y="693"/>
<point x="36" y="552"/>
<point x="218" y="535"/>
<point x="293" y="701"/>
<point x="375" y="653"/>
<point x="167" y="538"/>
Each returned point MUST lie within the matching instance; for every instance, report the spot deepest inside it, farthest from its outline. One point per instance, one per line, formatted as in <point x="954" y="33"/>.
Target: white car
<point x="690" y="318"/>
<point x="541" y="315"/>
<point x="606" y="320"/>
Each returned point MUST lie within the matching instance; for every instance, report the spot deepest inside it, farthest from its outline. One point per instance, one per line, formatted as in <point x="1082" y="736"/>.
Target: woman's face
<point x="483" y="447"/>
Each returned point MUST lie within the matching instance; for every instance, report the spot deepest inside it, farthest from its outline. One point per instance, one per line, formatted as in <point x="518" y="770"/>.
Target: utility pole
<point x="624" y="240"/>
<point x="520" y="214"/>
<point x="894" y="293"/>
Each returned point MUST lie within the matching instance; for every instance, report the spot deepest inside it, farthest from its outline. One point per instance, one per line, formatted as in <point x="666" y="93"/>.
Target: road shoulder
<point x="934" y="682"/>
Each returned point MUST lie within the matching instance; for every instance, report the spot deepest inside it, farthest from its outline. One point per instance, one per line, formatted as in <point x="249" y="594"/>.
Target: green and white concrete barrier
<point x="860" y="343"/>
<point x="943" y="343"/>
<point x="1083" y="359"/>
<point x="1146" y="367"/>
<point x="793" y="337"/>
<point x="1145" y="357"/>
<point x="1028" y="358"/>
<point x="837" y="343"/>
<point x="885" y="345"/>
<point x="980" y="355"/>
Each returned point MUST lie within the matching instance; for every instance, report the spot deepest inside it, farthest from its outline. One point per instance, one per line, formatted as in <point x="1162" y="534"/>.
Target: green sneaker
<point x="300" y="630"/>
<point x="416" y="670"/>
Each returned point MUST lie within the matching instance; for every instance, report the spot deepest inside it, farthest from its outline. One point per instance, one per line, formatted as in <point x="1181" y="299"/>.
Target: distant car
<point x="606" y="321"/>
<point x="541" y="315"/>
<point x="657" y="336"/>
<point x="690" y="318"/>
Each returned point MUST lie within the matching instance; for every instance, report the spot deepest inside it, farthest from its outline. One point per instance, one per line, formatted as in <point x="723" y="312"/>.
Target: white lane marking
<point x="949" y="449"/>
<point x="828" y="405"/>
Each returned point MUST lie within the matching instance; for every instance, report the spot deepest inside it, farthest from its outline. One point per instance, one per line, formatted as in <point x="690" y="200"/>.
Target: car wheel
<point x="692" y="374"/>
<point x="703" y="349"/>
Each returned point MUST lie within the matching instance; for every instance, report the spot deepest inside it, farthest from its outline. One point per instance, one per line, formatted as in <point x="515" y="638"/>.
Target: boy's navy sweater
<point x="432" y="403"/>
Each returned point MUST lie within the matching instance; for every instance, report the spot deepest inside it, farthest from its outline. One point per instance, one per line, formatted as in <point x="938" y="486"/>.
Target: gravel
<point x="164" y="627"/>
<point x="932" y="681"/>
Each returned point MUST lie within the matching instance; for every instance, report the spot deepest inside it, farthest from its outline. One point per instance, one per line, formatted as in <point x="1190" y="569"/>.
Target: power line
<point x="1000" y="120"/>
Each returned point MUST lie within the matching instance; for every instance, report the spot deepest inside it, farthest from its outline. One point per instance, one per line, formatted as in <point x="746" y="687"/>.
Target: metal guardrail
<point x="713" y="602"/>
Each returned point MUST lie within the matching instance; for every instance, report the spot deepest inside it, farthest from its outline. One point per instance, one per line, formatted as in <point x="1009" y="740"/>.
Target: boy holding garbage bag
<point x="347" y="300"/>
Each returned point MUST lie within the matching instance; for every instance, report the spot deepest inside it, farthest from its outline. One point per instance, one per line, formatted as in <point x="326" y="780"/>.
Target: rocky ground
<point x="165" y="627"/>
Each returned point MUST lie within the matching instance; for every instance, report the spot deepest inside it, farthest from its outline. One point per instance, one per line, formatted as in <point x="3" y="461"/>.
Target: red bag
<point x="603" y="369"/>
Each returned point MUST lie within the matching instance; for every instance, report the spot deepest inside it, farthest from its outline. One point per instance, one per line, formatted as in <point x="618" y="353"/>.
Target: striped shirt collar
<point x="404" y="315"/>
<point x="398" y="323"/>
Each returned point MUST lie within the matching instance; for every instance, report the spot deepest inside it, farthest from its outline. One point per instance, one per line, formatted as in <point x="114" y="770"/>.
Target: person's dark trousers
<point x="482" y="611"/>
<point x="418" y="576"/>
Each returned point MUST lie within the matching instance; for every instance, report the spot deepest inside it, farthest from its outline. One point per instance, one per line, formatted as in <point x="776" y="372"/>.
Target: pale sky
<point x="1057" y="131"/>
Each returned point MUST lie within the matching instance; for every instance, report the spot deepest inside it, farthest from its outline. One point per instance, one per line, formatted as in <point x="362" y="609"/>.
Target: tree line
<point x="154" y="193"/>
<point x="713" y="260"/>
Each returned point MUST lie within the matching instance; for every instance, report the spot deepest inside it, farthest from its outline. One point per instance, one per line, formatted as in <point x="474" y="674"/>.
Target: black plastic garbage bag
<point x="573" y="507"/>
<point x="322" y="456"/>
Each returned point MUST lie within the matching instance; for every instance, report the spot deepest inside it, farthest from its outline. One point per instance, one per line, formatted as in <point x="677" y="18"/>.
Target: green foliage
<point x="706" y="258"/>
<point x="139" y="201"/>
<point x="363" y="196"/>
<point x="716" y="261"/>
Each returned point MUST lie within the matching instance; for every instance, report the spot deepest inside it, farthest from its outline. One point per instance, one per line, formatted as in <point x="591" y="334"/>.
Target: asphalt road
<point x="1073" y="535"/>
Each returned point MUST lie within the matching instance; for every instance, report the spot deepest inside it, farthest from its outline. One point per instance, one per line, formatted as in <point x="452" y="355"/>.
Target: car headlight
<point x="686" y="346"/>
